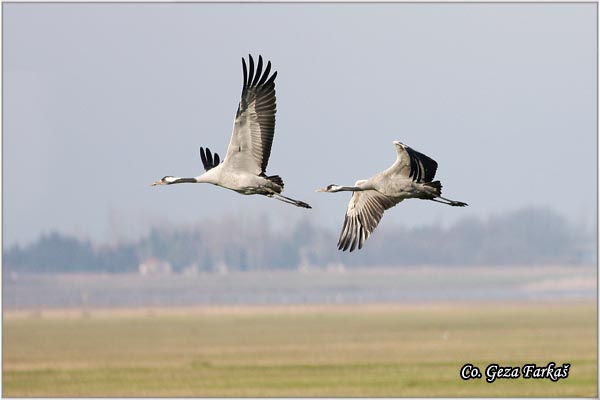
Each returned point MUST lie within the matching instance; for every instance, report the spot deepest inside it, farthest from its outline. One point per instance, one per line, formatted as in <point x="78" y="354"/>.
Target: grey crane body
<point x="411" y="176"/>
<point x="396" y="187"/>
<point x="239" y="181"/>
<point x="244" y="168"/>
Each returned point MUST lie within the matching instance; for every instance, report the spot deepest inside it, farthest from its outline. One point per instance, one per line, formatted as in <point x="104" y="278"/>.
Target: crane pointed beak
<point x="156" y="183"/>
<point x="321" y="190"/>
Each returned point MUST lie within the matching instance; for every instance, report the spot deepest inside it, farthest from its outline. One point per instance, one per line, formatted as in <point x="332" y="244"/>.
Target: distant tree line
<point x="524" y="237"/>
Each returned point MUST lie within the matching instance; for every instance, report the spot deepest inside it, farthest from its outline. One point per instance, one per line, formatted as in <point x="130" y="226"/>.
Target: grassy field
<point x="378" y="350"/>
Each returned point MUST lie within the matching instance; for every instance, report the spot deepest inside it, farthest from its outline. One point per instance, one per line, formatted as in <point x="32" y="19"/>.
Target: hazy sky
<point x="100" y="100"/>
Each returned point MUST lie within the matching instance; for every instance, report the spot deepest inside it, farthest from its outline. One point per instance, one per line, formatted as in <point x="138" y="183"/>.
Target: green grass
<point x="323" y="351"/>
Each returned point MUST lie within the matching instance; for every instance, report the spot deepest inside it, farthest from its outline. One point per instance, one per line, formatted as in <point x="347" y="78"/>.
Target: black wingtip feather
<point x="203" y="157"/>
<point x="245" y="69"/>
<point x="207" y="159"/>
<point x="422" y="167"/>
<point x="251" y="73"/>
<point x="265" y="74"/>
<point x="257" y="76"/>
<point x="271" y="79"/>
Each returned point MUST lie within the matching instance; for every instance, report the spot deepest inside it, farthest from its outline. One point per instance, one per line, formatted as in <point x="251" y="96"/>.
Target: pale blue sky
<point x="100" y="100"/>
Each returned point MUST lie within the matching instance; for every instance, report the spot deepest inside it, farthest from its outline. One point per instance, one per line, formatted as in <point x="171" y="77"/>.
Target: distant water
<point x="311" y="286"/>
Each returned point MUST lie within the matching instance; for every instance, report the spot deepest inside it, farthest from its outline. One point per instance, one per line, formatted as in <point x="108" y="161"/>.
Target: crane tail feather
<point x="276" y="179"/>
<point x="436" y="185"/>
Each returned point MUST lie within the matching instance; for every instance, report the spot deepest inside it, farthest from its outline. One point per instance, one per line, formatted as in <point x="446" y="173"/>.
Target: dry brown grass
<point x="333" y="350"/>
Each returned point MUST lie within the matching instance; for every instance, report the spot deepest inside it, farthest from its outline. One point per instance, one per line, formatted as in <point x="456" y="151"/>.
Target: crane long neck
<point x="204" y="178"/>
<point x="184" y="180"/>
<point x="351" y="188"/>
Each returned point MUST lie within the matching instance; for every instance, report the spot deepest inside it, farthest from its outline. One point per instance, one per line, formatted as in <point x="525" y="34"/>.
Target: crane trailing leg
<point x="449" y="202"/>
<point x="436" y="188"/>
<point x="288" y="200"/>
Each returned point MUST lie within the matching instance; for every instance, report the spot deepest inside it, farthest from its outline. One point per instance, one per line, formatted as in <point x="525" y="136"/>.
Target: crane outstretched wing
<point x="414" y="165"/>
<point x="362" y="217"/>
<point x="254" y="124"/>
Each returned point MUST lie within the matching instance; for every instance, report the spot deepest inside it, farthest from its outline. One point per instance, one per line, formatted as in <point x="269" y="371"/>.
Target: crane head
<point x="167" y="180"/>
<point x="330" y="188"/>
